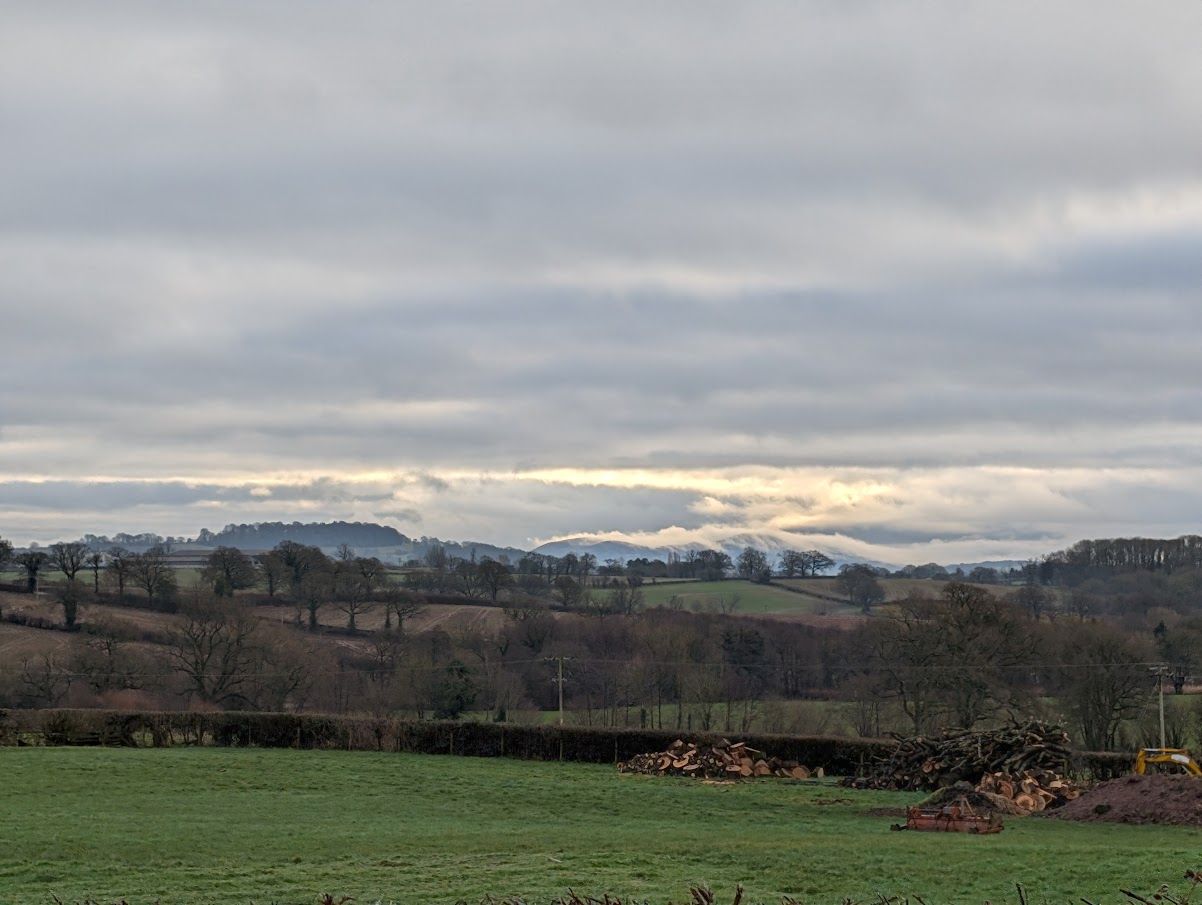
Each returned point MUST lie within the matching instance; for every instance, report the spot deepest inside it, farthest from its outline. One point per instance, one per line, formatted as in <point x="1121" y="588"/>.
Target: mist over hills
<point x="390" y="545"/>
<point x="732" y="545"/>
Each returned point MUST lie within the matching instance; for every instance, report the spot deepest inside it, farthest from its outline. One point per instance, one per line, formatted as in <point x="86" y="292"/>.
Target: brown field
<point x="19" y="643"/>
<point x="895" y="588"/>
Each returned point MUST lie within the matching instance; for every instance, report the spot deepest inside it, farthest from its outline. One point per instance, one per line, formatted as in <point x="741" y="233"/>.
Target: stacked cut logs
<point x="724" y="760"/>
<point x="966" y="756"/>
<point x="1032" y="790"/>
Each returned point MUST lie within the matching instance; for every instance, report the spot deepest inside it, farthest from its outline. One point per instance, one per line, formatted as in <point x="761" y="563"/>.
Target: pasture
<point x="235" y="825"/>
<point x="752" y="598"/>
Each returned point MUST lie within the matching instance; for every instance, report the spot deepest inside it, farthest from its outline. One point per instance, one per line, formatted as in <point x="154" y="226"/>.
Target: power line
<point x="630" y="662"/>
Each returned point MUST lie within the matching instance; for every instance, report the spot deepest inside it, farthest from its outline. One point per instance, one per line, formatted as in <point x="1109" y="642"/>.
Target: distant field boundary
<point x="843" y="601"/>
<point x="163" y="729"/>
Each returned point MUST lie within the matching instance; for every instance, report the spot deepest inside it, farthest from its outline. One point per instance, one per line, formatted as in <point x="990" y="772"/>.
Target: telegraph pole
<point x="1161" y="672"/>
<point x="558" y="680"/>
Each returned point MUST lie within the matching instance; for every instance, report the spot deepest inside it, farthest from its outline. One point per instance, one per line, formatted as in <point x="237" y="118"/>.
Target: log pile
<point x="724" y="760"/>
<point x="965" y="756"/>
<point x="1032" y="790"/>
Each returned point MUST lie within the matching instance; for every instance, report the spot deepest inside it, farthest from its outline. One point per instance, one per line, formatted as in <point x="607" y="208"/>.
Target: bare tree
<point x="1032" y="598"/>
<point x="957" y="657"/>
<point x="45" y="682"/>
<point x="371" y="571"/>
<point x="120" y="567"/>
<point x="300" y="561"/>
<point x="535" y="628"/>
<point x="69" y="558"/>
<point x="274" y="571"/>
<point x="438" y="562"/>
<point x="402" y="604"/>
<point x="312" y="592"/>
<point x="214" y="650"/>
<point x="753" y="565"/>
<point x="33" y="562"/>
<point x="984" y="643"/>
<point x="95" y="562"/>
<point x="569" y="592"/>
<point x="351" y="593"/>
<point x="815" y="561"/>
<point x="228" y="569"/>
<point x="859" y="583"/>
<point x="281" y="671"/>
<point x="153" y="574"/>
<point x="467" y="579"/>
<point x="68" y="598"/>
<point x="1104" y="682"/>
<point x="494" y="577"/>
<point x="792" y="563"/>
<point x="899" y="650"/>
<point x="105" y="662"/>
<point x="626" y="599"/>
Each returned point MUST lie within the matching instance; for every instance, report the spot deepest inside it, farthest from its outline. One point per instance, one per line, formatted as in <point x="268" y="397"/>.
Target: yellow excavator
<point x="1172" y="758"/>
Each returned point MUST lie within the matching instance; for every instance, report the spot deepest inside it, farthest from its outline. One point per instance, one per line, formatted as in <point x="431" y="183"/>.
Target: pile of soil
<point x="1156" y="798"/>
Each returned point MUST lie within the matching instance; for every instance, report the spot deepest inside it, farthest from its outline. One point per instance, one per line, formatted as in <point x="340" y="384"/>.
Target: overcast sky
<point x="908" y="281"/>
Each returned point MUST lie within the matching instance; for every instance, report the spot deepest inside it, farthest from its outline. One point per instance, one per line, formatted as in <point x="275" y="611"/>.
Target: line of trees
<point x="963" y="657"/>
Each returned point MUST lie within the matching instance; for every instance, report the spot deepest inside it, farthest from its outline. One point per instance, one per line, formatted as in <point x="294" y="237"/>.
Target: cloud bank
<point x="917" y="283"/>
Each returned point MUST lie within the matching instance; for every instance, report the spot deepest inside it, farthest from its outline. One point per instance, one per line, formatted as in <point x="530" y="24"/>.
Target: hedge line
<point x="290" y="730"/>
<point x="838" y="756"/>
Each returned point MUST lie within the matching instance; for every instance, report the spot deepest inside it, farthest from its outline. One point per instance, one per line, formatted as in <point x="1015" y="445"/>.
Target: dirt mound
<point x="1164" y="799"/>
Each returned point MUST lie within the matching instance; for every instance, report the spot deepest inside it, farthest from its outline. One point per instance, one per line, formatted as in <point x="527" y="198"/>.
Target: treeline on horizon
<point x="959" y="654"/>
<point x="1083" y="560"/>
<point x="260" y="536"/>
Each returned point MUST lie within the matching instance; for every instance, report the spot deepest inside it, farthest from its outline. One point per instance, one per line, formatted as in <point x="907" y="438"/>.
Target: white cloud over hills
<point x="920" y="283"/>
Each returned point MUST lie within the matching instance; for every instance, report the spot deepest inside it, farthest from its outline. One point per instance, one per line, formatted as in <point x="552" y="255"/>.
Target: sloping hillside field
<point x="222" y="825"/>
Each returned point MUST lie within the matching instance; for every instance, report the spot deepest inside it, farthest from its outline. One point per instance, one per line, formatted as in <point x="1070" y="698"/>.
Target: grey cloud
<point x="404" y="516"/>
<point x="428" y="239"/>
<point x="885" y="536"/>
<point x="433" y="482"/>
<point x="101" y="495"/>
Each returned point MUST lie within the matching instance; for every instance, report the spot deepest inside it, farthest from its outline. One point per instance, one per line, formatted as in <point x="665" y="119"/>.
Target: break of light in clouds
<point x="911" y="282"/>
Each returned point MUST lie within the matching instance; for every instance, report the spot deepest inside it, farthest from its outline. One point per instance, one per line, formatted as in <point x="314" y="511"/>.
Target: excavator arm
<point x="1176" y="757"/>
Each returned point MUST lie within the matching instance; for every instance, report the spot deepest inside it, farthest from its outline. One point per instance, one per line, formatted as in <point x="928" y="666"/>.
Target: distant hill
<point x="1002" y="565"/>
<point x="603" y="550"/>
<point x="365" y="538"/>
<point x="265" y="535"/>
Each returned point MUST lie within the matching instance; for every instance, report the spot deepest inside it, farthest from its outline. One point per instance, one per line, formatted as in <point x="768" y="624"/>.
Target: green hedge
<point x="837" y="756"/>
<point x="290" y="730"/>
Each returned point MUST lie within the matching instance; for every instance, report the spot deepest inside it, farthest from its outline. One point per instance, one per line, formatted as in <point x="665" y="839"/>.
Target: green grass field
<point x="221" y="825"/>
<point x="753" y="598"/>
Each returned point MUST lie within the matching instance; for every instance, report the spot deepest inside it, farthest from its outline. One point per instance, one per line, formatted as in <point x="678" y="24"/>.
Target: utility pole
<point x="1161" y="672"/>
<point x="558" y="680"/>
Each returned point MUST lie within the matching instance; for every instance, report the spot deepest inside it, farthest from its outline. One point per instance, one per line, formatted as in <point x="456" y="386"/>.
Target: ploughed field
<point x="236" y="825"/>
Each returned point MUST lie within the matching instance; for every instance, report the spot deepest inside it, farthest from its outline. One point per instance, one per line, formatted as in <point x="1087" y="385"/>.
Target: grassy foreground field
<point x="223" y="825"/>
